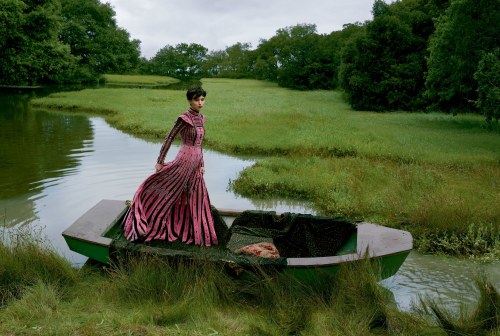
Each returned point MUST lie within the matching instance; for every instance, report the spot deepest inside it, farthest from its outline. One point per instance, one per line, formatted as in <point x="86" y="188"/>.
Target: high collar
<point x="193" y="111"/>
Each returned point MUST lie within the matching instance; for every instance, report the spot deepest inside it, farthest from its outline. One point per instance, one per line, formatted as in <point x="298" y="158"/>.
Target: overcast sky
<point x="217" y="24"/>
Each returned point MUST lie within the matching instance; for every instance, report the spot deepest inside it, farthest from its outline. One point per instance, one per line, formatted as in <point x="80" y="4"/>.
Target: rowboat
<point x="314" y="245"/>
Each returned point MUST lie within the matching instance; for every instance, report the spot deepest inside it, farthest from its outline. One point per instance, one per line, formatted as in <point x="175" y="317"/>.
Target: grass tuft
<point x="24" y="262"/>
<point x="146" y="279"/>
<point x="38" y="301"/>
<point x="484" y="320"/>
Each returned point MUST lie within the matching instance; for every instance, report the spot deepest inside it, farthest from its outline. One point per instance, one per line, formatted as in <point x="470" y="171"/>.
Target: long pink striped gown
<point x="173" y="203"/>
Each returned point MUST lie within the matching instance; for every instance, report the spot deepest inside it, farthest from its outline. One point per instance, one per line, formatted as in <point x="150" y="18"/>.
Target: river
<point x="55" y="166"/>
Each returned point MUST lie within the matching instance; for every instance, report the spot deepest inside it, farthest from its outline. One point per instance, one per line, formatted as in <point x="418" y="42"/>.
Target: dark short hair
<point x="195" y="92"/>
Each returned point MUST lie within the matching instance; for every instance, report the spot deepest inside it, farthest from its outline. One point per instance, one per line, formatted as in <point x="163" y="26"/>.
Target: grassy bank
<point x="436" y="175"/>
<point x="139" y="80"/>
<point x="154" y="297"/>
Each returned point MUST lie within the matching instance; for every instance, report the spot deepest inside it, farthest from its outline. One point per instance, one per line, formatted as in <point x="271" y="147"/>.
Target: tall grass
<point x="483" y="320"/>
<point x="434" y="174"/>
<point x="151" y="296"/>
<point x="156" y="279"/>
<point x="196" y="295"/>
<point x="25" y="262"/>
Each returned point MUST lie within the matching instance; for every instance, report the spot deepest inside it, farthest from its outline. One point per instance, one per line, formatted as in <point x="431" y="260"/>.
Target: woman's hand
<point x="158" y="167"/>
<point x="202" y="170"/>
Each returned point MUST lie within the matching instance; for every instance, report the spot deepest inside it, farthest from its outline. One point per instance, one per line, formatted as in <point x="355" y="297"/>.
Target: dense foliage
<point x="30" y="51"/>
<point x="298" y="59"/>
<point x="467" y="31"/>
<point x="57" y="41"/>
<point x="413" y="54"/>
<point x="488" y="81"/>
<point x="91" y="31"/>
<point x="384" y="67"/>
<point x="233" y="62"/>
<point x="183" y="61"/>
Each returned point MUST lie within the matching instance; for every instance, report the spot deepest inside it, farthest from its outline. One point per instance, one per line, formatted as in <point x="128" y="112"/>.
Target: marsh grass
<point x="156" y="279"/>
<point x="40" y="300"/>
<point x="150" y="296"/>
<point x="25" y="262"/>
<point x="483" y="320"/>
<point x="256" y="117"/>
<point x="263" y="303"/>
<point x="434" y="174"/>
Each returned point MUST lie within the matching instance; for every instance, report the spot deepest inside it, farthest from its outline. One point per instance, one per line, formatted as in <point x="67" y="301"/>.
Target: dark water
<point x="55" y="166"/>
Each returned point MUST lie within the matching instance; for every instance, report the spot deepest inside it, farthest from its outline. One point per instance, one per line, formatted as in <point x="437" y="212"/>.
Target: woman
<point x="173" y="202"/>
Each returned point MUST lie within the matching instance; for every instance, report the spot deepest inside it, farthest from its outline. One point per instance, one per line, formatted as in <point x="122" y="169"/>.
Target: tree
<point x="384" y="67"/>
<point x="467" y="31"/>
<point x="212" y="67"/>
<point x="42" y="41"/>
<point x="11" y="40"/>
<point x="488" y="91"/>
<point x="233" y="62"/>
<point x="91" y="31"/>
<point x="238" y="62"/>
<point x="30" y="52"/>
<point x="184" y="61"/>
<point x="265" y="66"/>
<point x="296" y="57"/>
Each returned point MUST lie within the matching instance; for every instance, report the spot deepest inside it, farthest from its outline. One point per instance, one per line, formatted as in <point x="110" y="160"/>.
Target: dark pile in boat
<point x="294" y="235"/>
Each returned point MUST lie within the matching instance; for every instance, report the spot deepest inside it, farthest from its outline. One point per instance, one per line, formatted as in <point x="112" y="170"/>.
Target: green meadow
<point x="136" y="80"/>
<point x="436" y="175"/>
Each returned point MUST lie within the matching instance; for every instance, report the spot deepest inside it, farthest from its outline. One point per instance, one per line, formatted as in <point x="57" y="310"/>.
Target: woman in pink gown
<point x="173" y="202"/>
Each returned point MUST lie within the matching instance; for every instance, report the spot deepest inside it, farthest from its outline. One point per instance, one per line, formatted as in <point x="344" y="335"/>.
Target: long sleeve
<point x="179" y="124"/>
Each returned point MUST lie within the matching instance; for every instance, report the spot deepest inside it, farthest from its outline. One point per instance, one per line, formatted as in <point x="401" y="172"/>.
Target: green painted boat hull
<point x="384" y="267"/>
<point x="92" y="236"/>
<point x="93" y="251"/>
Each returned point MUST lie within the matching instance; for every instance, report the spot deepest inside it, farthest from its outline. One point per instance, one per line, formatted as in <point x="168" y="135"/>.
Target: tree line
<point x="413" y="55"/>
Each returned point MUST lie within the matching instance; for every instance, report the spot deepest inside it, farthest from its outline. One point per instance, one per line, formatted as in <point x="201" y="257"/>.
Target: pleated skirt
<point x="173" y="204"/>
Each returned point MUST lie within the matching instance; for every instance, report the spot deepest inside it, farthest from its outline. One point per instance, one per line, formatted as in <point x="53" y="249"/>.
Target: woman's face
<point x="197" y="103"/>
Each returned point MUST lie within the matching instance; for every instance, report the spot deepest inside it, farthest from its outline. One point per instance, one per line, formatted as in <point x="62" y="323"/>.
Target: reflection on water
<point x="54" y="167"/>
<point x="34" y="147"/>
